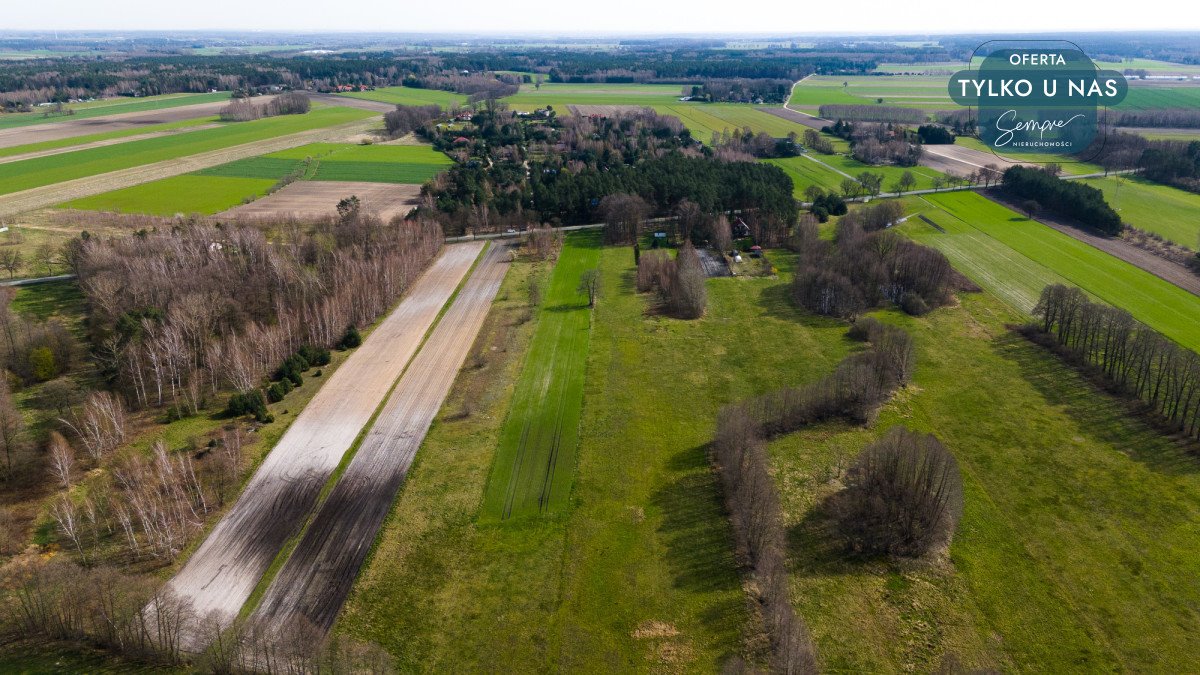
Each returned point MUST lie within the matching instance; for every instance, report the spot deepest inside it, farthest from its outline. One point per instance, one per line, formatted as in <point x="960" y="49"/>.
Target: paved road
<point x="222" y="573"/>
<point x="320" y="572"/>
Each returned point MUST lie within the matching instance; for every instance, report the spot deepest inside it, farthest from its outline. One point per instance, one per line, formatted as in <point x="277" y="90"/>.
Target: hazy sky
<point x="623" y="16"/>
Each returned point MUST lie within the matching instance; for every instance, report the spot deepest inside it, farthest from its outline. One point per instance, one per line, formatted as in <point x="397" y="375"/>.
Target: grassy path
<point x="536" y="459"/>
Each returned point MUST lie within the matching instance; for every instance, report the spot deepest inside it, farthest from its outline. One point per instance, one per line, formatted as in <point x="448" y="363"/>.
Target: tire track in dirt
<point x="223" y="572"/>
<point x="49" y="195"/>
<point x="315" y="581"/>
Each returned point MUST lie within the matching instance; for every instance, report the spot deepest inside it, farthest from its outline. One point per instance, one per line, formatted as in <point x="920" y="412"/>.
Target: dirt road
<point x="1118" y="248"/>
<point x="222" y="573"/>
<point x="316" y="579"/>
<point x="70" y="128"/>
<point x="49" y="195"/>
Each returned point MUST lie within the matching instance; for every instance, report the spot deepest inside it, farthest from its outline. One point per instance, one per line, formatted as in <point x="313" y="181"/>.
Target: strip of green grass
<point x="376" y="172"/>
<point x="535" y="463"/>
<point x="1157" y="303"/>
<point x="1077" y="548"/>
<point x="254" y="167"/>
<point x="111" y="107"/>
<point x="1169" y="212"/>
<point x="805" y="173"/>
<point x="31" y="173"/>
<point x="189" y="193"/>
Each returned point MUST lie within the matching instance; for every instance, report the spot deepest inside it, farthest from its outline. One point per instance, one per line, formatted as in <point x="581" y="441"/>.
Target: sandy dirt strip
<point x="962" y="160"/>
<point x="317" y="198"/>
<point x="1118" y="248"/>
<point x="69" y="128"/>
<point x="316" y="579"/>
<point x="49" y="195"/>
<point x="798" y="117"/>
<point x="223" y="572"/>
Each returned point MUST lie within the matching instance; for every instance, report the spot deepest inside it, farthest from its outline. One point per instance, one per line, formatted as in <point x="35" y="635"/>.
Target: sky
<point x="610" y="16"/>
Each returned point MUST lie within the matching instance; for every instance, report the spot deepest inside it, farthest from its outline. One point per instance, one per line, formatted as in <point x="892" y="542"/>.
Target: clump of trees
<point x="543" y="243"/>
<point x="935" y="134"/>
<point x="679" y="282"/>
<point x="136" y="618"/>
<point x="902" y="497"/>
<point x="741" y="90"/>
<point x="408" y="118"/>
<point x="178" y="316"/>
<point x="1068" y="199"/>
<point x="31" y="349"/>
<point x="866" y="269"/>
<point x="878" y="143"/>
<point x="1131" y="357"/>
<point x="244" y="110"/>
<point x="854" y="390"/>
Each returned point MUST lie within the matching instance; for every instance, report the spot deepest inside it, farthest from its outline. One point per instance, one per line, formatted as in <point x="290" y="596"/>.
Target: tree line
<point x="1069" y="199"/>
<point x="1132" y="358"/>
<point x="903" y="495"/>
<point x="243" y="110"/>
<point x="872" y="113"/>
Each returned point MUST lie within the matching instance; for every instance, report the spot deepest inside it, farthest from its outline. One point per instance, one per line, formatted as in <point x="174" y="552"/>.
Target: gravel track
<point x="223" y="572"/>
<point x="49" y="195"/>
<point x="318" y="576"/>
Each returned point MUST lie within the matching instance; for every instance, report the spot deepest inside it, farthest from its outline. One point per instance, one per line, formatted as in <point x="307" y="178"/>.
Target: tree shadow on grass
<point x="1107" y="417"/>
<point x="698" y="538"/>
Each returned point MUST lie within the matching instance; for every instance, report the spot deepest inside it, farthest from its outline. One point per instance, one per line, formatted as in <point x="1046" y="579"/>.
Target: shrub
<point x="249" y="403"/>
<point x="903" y="496"/>
<point x="913" y="304"/>
<point x="351" y="339"/>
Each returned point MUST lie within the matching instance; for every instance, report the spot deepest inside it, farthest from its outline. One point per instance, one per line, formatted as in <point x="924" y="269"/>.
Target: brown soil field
<point x="313" y="198"/>
<point x="53" y="131"/>
<point x="604" y="110"/>
<point x="101" y="144"/>
<point x="316" y="579"/>
<point x="798" y="117"/>
<point x="49" y="195"/>
<point x="224" y="570"/>
<point x="961" y="159"/>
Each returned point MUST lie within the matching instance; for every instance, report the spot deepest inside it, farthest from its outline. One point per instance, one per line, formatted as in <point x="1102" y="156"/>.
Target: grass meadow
<point x="978" y="232"/>
<point x="108" y="135"/>
<point x="31" y="173"/>
<point x="535" y="462"/>
<point x="1166" y="211"/>
<point x="410" y="96"/>
<point x="186" y="194"/>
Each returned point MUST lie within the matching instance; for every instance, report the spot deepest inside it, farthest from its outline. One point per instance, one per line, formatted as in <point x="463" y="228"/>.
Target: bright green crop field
<point x="189" y="193"/>
<point x="1038" y="255"/>
<point x="31" y="173"/>
<point x="560" y="95"/>
<point x="410" y="96"/>
<point x="535" y="462"/>
<point x="805" y="172"/>
<point x="927" y="92"/>
<point x="111" y="106"/>
<point x="1169" y="212"/>
<point x="705" y="119"/>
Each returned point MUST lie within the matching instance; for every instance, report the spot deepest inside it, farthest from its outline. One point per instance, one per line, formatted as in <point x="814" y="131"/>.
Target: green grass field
<point x="1077" y="548"/>
<point x="110" y="106"/>
<point x="705" y="119"/>
<point x="31" y="173"/>
<point x="804" y="173"/>
<point x="979" y="230"/>
<point x="189" y="193"/>
<point x="410" y="96"/>
<point x="224" y="186"/>
<point x="1159" y="97"/>
<point x="636" y="573"/>
<point x="535" y="462"/>
<point x="1161" y="209"/>
<point x="927" y="92"/>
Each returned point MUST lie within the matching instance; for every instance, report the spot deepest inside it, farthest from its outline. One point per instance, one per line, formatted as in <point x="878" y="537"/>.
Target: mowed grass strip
<point x="410" y="96"/>
<point x="381" y="163"/>
<point x="805" y="173"/>
<point x="535" y="462"/>
<point x="1161" y="305"/>
<point x="189" y="193"/>
<point x="254" y="167"/>
<point x="110" y="107"/>
<point x="1166" y="211"/>
<point x="31" y="173"/>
